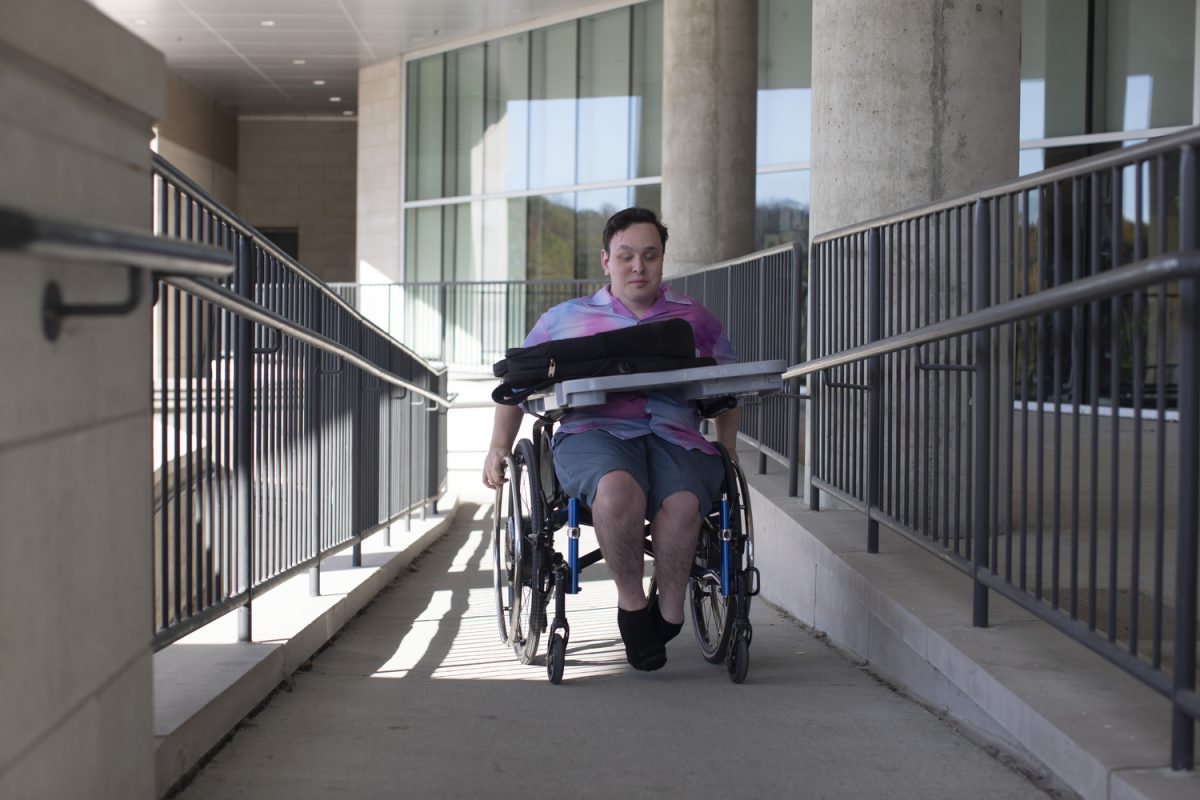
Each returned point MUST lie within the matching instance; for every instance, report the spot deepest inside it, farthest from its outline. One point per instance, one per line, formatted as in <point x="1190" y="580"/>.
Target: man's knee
<point x="619" y="494"/>
<point x="679" y="507"/>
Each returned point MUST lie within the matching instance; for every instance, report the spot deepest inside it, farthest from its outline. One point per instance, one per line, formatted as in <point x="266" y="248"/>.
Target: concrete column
<point x="380" y="187"/>
<point x="710" y="77"/>
<point x="78" y="96"/>
<point x="913" y="101"/>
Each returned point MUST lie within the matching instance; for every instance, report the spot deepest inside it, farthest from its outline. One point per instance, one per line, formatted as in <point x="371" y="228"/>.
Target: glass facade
<point x="1132" y="75"/>
<point x="1083" y="95"/>
<point x="519" y="149"/>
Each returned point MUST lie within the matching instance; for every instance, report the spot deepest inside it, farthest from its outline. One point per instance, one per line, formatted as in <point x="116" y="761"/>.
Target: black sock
<point x="666" y="630"/>
<point x="643" y="648"/>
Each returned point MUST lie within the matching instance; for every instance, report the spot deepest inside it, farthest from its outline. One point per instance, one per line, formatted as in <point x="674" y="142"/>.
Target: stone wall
<point x="75" y="491"/>
<point x="200" y="138"/>
<point x="301" y="174"/>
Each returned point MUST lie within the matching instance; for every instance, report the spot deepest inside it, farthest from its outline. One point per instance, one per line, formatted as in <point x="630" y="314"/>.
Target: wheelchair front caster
<point x="739" y="659"/>
<point x="556" y="658"/>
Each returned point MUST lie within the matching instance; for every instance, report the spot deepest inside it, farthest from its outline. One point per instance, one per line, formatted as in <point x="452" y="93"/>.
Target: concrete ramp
<point x="417" y="697"/>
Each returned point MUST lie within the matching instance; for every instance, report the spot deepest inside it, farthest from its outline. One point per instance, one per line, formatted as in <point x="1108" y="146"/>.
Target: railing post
<point x="762" y="350"/>
<point x="357" y="454"/>
<point x="795" y="332"/>
<point x="442" y="318"/>
<point x="816" y="349"/>
<point x="316" y="431"/>
<point x="243" y="435"/>
<point x="983" y="412"/>
<point x="874" y="390"/>
<point x="1183" y="727"/>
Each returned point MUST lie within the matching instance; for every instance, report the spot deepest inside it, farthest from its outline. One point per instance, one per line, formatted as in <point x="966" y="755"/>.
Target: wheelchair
<point x="527" y="569"/>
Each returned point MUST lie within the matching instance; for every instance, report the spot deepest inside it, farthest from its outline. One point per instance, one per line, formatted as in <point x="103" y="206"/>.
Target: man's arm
<point x="727" y="425"/>
<point x="504" y="431"/>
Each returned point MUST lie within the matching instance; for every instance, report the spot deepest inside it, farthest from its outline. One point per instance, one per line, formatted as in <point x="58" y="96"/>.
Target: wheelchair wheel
<point x="529" y="569"/>
<point x="714" y="616"/>
<point x="712" y="613"/>
<point x="502" y="556"/>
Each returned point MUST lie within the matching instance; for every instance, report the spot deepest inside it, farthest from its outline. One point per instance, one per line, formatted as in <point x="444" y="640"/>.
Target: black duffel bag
<point x="653" y="347"/>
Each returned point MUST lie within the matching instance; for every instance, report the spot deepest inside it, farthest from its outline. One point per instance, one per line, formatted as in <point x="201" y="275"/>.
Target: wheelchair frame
<point x="527" y="569"/>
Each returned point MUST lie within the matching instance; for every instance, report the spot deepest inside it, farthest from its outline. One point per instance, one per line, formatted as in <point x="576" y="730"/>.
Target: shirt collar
<point x="665" y="295"/>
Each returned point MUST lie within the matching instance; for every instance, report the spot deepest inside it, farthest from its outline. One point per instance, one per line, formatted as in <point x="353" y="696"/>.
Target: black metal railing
<point x="286" y="425"/>
<point x="1009" y="380"/>
<point x="760" y="300"/>
<point x="467" y="324"/>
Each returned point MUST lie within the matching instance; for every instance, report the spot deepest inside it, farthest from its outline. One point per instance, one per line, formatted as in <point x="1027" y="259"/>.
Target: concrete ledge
<point x="1019" y="684"/>
<point x="208" y="682"/>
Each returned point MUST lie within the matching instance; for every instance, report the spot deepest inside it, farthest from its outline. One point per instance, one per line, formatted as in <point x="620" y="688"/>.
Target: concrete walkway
<point x="417" y="697"/>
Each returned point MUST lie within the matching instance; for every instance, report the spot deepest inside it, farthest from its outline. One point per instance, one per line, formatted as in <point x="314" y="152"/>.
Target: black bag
<point x="653" y="347"/>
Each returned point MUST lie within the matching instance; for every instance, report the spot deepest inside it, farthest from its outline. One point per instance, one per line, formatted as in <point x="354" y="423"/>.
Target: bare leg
<point x="675" y="528"/>
<point x="618" y="515"/>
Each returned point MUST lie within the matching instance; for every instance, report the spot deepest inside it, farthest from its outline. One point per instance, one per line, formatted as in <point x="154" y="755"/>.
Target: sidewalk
<point x="417" y="697"/>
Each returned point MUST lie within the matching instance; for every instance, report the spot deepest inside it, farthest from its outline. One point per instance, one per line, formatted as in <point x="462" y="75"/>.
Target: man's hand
<point x="504" y="433"/>
<point x="493" y="467"/>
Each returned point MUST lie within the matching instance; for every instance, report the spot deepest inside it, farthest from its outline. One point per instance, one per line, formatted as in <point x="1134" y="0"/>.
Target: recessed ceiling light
<point x="347" y="113"/>
<point x="299" y="61"/>
<point x="139" y="22"/>
<point x="318" y="83"/>
<point x="268" y="23"/>
<point x="335" y="99"/>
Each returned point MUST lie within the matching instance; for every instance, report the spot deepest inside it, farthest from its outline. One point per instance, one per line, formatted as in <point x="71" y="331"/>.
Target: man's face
<point x="633" y="263"/>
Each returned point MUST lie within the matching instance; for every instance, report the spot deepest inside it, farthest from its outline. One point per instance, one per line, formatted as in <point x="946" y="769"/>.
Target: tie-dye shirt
<point x="632" y="414"/>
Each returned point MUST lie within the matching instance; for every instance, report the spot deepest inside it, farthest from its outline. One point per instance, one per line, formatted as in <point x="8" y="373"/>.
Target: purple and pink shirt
<point x="628" y="415"/>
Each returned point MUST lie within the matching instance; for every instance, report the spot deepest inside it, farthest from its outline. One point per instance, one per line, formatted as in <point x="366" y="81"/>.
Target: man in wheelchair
<point x="640" y="456"/>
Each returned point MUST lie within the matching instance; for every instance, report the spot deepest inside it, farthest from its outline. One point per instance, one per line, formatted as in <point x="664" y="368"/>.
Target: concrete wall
<point x="710" y="77"/>
<point x="78" y="96"/>
<point x="301" y="174"/>
<point x="380" y="166"/>
<point x="200" y="137"/>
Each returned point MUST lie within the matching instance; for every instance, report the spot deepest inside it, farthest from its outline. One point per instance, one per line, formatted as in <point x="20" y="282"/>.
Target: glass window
<point x="431" y="92"/>
<point x="551" y="250"/>
<point x="1053" y="68"/>
<point x="604" y="104"/>
<point x="506" y="114"/>
<point x="462" y="254"/>
<point x="504" y="222"/>
<point x="781" y="208"/>
<point x="646" y="103"/>
<point x="464" y="122"/>
<point x="649" y="196"/>
<point x="592" y="210"/>
<point x="1148" y="64"/>
<point x="784" y="81"/>
<point x="1141" y="66"/>
<point x="552" y="107"/>
<point x="426" y="238"/>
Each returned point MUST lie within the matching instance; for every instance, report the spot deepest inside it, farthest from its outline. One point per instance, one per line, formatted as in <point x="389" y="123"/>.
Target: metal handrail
<point x="46" y="236"/>
<point x="1138" y="275"/>
<point x="220" y="296"/>
<point x="1074" y="169"/>
<point x="200" y="195"/>
<point x="770" y="251"/>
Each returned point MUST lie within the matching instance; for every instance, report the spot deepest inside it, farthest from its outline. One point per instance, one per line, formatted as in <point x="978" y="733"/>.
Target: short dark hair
<point x="632" y="216"/>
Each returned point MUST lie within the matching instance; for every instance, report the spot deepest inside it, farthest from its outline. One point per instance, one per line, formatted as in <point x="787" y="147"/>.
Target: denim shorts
<point x="659" y="467"/>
